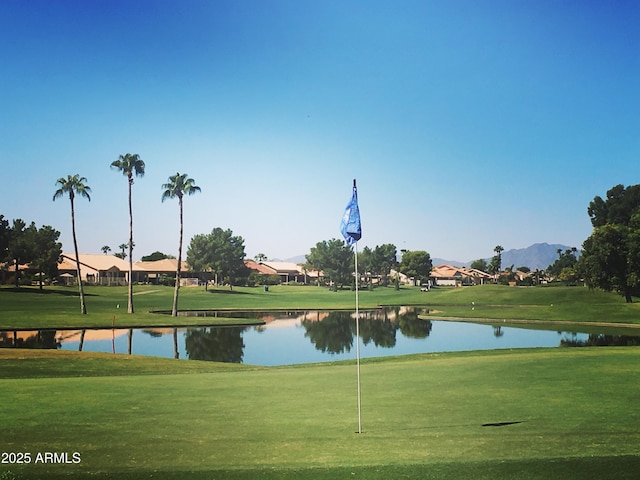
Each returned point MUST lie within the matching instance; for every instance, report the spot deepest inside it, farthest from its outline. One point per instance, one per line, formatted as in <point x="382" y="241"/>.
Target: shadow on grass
<point x="228" y="292"/>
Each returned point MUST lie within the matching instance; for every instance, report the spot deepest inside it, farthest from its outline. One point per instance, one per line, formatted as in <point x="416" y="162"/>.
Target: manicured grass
<point x="555" y="304"/>
<point x="529" y="414"/>
<point x="565" y="413"/>
<point x="58" y="307"/>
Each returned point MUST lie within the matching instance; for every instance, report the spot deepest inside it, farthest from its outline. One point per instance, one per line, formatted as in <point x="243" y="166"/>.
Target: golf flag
<point x="350" y="226"/>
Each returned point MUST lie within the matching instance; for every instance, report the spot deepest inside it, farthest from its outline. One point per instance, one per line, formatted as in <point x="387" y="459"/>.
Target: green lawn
<point x="58" y="307"/>
<point x="549" y="413"/>
<point x="526" y="414"/>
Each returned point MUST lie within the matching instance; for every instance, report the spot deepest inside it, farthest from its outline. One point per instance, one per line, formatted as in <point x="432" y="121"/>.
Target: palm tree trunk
<point x="83" y="307"/>
<point x="176" y="353"/>
<point x="174" y="310"/>
<point x="130" y="302"/>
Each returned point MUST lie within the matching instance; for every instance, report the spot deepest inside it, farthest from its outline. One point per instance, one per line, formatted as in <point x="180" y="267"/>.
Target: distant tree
<point x="122" y="253"/>
<point x="178" y="186"/>
<point x="130" y="165"/>
<point x="385" y="258"/>
<point x="495" y="266"/>
<point x="106" y="249"/>
<point x="74" y="185"/>
<point x="568" y="275"/>
<point x="47" y="252"/>
<point x="524" y="269"/>
<point x="610" y="257"/>
<point x="219" y="252"/>
<point x="333" y="257"/>
<point x="155" y="256"/>
<point x="261" y="257"/>
<point x="21" y="246"/>
<point x="480" y="264"/>
<point x="378" y="262"/>
<point x="416" y="264"/>
<point x="566" y="259"/>
<point x="5" y="235"/>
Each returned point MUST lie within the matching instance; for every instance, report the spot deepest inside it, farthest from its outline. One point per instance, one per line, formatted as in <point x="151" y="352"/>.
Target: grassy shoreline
<point x="58" y="307"/>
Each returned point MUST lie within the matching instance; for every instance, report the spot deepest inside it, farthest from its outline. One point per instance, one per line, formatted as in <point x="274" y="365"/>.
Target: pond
<point x="308" y="336"/>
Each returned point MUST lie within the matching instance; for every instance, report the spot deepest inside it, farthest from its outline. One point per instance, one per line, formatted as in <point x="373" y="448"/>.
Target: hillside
<point x="537" y="256"/>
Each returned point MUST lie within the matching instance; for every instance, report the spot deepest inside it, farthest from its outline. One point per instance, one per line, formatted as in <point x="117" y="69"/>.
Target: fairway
<point x="527" y="414"/>
<point x="536" y="413"/>
<point x="58" y="307"/>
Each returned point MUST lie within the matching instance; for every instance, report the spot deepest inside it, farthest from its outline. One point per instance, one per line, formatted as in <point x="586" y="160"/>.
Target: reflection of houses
<point x="97" y="269"/>
<point x="287" y="271"/>
<point x="446" y="275"/>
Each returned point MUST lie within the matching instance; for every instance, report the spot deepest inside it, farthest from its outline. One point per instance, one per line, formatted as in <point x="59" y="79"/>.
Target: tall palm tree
<point x="74" y="185"/>
<point x="130" y="164"/>
<point x="178" y="186"/>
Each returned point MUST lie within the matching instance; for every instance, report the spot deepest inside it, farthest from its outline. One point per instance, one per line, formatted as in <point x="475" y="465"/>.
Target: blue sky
<point x="466" y="124"/>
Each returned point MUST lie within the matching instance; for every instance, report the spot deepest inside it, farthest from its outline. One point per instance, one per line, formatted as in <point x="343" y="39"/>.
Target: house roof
<point x="99" y="262"/>
<point x="259" y="267"/>
<point x="164" y="265"/>
<point x="284" y="267"/>
<point x="447" y="271"/>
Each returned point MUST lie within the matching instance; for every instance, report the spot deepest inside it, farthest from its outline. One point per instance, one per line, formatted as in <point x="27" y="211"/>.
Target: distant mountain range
<point x="537" y="256"/>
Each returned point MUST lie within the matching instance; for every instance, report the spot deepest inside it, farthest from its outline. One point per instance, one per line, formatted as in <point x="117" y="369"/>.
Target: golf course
<point x="522" y="413"/>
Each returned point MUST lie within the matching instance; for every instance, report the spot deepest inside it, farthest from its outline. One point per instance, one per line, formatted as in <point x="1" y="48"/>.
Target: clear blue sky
<point x="466" y="124"/>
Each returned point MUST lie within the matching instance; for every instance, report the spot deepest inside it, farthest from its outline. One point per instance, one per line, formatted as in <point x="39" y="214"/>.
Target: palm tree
<point x="106" y="249"/>
<point x="498" y="249"/>
<point x="74" y="185"/>
<point x="178" y="186"/>
<point x="130" y="165"/>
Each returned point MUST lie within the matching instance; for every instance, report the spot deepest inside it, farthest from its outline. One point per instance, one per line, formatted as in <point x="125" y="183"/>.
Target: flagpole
<point x="358" y="341"/>
<point x="352" y="232"/>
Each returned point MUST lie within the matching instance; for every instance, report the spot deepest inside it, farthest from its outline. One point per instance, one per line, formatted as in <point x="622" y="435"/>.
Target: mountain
<point x="537" y="256"/>
<point x="297" y="259"/>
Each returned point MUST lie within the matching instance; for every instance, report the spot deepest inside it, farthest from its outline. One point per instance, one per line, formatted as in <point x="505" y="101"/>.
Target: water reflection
<point x="215" y="344"/>
<point x="336" y="332"/>
<point x="306" y="337"/>
<point x="601" y="340"/>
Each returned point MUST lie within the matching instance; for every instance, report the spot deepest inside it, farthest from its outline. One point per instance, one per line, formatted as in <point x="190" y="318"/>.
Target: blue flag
<point x="350" y="226"/>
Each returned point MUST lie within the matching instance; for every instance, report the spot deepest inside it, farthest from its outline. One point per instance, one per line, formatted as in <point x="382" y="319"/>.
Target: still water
<point x="305" y="337"/>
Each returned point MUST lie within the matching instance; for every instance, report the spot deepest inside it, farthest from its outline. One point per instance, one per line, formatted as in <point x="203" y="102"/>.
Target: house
<point x="287" y="271"/>
<point x="444" y="275"/>
<point x="260" y="268"/>
<point x="96" y="269"/>
<point x="100" y="269"/>
<point x="154" y="272"/>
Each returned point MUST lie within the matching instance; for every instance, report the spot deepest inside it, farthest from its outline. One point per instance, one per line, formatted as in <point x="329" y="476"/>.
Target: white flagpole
<point x="358" y="341"/>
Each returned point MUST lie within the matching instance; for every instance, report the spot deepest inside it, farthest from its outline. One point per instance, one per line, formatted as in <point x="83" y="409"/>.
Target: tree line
<point x="27" y="244"/>
<point x="610" y="258"/>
